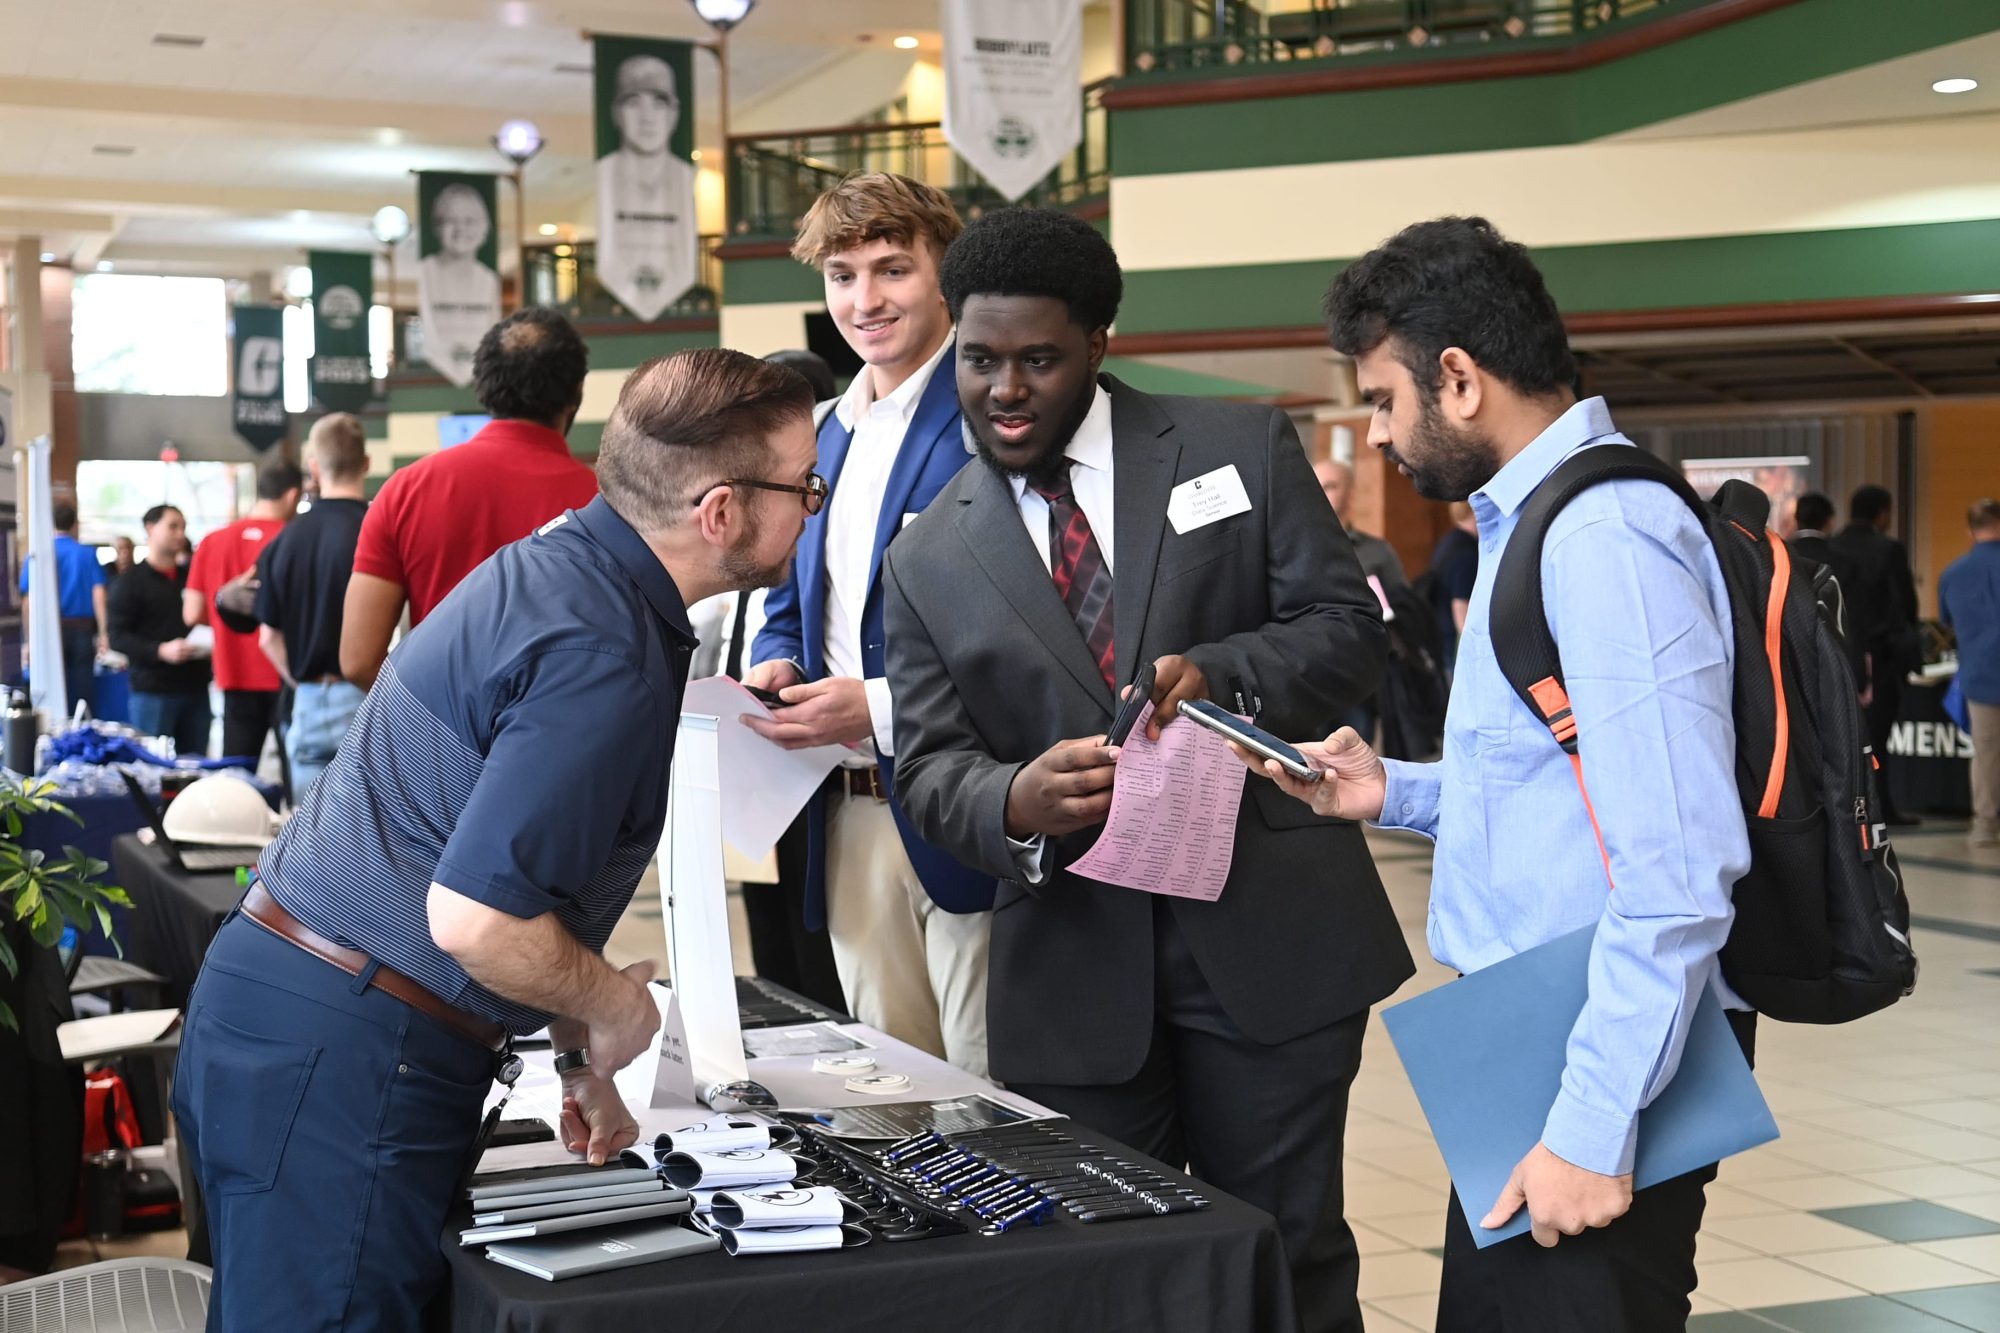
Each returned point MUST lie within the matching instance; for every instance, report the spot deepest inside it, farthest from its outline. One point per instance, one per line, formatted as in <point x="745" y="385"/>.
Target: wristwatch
<point x="570" y="1061"/>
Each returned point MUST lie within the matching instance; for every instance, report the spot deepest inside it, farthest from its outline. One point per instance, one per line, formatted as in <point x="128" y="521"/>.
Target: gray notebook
<point x="653" y="1186"/>
<point x="536" y="1209"/>
<point x="615" y="1247"/>
<point x="592" y="1178"/>
<point x="679" y="1203"/>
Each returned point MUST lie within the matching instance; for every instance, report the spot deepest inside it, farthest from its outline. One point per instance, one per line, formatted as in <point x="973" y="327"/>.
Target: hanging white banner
<point x="1013" y="86"/>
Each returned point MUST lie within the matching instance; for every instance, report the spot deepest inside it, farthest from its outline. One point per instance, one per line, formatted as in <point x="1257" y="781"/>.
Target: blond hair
<point x="340" y="446"/>
<point x="876" y="206"/>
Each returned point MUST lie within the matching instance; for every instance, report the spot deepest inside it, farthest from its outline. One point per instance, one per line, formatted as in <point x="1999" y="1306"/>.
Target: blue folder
<point x="1486" y="1055"/>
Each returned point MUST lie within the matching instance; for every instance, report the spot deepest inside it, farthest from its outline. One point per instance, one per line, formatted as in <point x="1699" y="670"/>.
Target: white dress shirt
<point x="878" y="427"/>
<point x="1089" y="452"/>
<point x="1090" y="482"/>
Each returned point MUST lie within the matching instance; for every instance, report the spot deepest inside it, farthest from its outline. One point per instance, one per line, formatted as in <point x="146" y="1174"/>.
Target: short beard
<point x="1049" y="470"/>
<point x="743" y="573"/>
<point x="1455" y="462"/>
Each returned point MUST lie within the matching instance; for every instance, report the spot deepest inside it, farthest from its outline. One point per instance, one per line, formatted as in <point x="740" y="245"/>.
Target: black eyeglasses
<point x="813" y="494"/>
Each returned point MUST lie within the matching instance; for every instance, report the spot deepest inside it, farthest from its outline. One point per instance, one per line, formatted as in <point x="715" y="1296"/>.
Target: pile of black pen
<point x="1020" y="1174"/>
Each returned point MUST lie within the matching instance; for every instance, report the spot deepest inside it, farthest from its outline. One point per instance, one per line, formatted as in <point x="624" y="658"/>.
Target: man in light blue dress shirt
<point x="1462" y="354"/>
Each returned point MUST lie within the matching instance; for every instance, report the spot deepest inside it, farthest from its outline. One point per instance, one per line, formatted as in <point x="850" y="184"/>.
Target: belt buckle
<point x="875" y="788"/>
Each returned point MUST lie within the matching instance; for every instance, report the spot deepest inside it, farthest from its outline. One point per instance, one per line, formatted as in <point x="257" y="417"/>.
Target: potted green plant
<point x="39" y="896"/>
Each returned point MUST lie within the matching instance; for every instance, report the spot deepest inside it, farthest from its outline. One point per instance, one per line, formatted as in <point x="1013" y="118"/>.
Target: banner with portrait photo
<point x="648" y="238"/>
<point x="458" y="280"/>
<point x="342" y="287"/>
<point x="1013" y="87"/>
<point x="257" y="409"/>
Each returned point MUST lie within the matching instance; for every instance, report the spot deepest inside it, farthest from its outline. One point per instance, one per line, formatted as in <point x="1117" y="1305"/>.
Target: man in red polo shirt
<point x="436" y="520"/>
<point x="249" y="682"/>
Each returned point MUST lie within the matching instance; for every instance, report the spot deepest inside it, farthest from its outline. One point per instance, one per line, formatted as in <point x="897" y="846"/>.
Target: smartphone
<point x="1131" y="706"/>
<point x="768" y="698"/>
<point x="1252" y="738"/>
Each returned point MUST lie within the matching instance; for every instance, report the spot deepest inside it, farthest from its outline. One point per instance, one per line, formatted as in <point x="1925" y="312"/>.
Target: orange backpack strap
<point x="1551" y="701"/>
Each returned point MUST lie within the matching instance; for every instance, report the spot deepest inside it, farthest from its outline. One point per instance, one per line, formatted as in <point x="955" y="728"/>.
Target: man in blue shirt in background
<point x="1462" y="354"/>
<point x="450" y="881"/>
<point x="80" y="591"/>
<point x="1969" y="602"/>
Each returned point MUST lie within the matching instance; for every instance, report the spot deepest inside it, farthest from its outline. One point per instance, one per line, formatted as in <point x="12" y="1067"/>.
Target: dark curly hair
<point x="1453" y="282"/>
<point x="530" y="366"/>
<point x="1035" y="252"/>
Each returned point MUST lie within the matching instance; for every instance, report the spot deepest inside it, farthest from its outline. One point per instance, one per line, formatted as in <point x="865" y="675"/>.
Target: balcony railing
<point x="1174" y="35"/>
<point x="774" y="178"/>
<point x="564" y="275"/>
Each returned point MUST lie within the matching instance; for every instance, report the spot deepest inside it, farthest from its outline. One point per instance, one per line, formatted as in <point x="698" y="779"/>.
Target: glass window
<point x="112" y="495"/>
<point x="137" y="334"/>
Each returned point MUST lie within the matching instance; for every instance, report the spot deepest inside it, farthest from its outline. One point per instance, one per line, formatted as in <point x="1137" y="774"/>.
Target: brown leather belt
<point x="267" y="912"/>
<point x="859" y="782"/>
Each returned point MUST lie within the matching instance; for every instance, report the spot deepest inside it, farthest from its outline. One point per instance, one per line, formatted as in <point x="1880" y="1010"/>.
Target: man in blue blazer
<point x="909" y="924"/>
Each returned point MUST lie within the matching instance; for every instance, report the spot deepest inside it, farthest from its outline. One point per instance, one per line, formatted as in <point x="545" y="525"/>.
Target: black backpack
<point x="1822" y="929"/>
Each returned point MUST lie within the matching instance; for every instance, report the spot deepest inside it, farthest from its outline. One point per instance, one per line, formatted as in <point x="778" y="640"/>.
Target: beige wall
<point x="1581" y="194"/>
<point x="1958" y="461"/>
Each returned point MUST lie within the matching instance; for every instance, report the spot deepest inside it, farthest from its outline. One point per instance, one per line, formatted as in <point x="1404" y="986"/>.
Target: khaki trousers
<point x="1985" y="768"/>
<point x="908" y="967"/>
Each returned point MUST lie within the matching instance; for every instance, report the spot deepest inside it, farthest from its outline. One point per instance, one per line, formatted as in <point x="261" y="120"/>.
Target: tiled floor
<point x="1877" y="1211"/>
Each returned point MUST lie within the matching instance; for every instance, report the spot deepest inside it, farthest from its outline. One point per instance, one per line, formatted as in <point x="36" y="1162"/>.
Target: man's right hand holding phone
<point x="1355" y="781"/>
<point x="1065" y="788"/>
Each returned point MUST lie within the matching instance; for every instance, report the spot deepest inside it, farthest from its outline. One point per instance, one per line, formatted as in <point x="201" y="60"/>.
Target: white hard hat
<point x="221" y="811"/>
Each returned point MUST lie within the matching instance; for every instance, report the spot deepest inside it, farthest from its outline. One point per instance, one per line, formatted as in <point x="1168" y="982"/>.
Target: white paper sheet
<point x="764" y="785"/>
<point x="83" y="1038"/>
<point x="1172" y="827"/>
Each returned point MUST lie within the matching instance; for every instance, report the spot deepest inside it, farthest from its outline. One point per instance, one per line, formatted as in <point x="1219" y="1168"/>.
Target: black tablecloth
<point x="1929" y="765"/>
<point x="1217" y="1271"/>
<point x="174" y="914"/>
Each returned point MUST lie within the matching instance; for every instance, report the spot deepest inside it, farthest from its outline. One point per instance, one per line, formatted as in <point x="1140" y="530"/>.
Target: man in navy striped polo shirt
<point x="451" y="880"/>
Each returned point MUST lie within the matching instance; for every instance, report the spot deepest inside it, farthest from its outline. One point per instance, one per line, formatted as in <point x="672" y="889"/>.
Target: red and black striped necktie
<point x="1082" y="579"/>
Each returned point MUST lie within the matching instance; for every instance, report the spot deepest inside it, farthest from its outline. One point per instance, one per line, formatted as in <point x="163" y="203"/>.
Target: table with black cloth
<point x="1928" y="767"/>
<point x="174" y="913"/>
<point x="1221" y="1270"/>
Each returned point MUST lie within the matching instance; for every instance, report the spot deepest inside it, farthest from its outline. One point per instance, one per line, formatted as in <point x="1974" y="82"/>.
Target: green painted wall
<point x="1946" y="257"/>
<point x="626" y="351"/>
<point x="759" y="281"/>
<point x="1808" y="40"/>
<point x="608" y="351"/>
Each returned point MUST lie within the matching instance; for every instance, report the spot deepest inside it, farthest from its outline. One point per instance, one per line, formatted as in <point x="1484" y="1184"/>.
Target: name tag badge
<point x="1207" y="499"/>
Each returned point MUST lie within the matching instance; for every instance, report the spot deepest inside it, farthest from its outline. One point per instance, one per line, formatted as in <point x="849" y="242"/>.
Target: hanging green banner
<point x="458" y="282"/>
<point x="342" y="287"/>
<point x="648" y="239"/>
<point x="258" y="409"/>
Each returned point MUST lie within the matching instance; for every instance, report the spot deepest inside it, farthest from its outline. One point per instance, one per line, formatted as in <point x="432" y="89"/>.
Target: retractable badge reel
<point x="508" y="1073"/>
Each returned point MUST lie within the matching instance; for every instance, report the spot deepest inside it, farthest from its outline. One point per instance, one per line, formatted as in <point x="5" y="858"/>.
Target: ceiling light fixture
<point x="906" y="43"/>
<point x="518" y="141"/>
<point x="695" y="155"/>
<point x="547" y="229"/>
<point x="722" y="15"/>
<point x="48" y="259"/>
<point x="389" y="225"/>
<point x="103" y="266"/>
<point x="1949" y="86"/>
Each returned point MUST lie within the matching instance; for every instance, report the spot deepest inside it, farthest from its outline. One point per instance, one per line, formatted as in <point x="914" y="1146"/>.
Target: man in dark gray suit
<point x="1221" y="1034"/>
